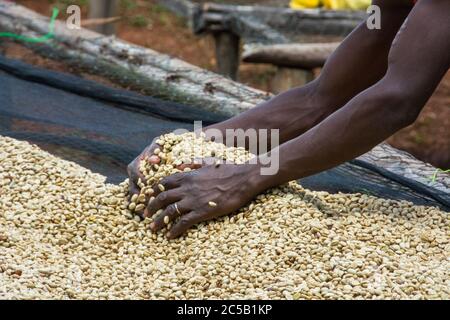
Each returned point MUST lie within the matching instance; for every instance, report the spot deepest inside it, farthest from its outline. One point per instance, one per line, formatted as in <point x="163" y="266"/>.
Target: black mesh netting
<point x="103" y="129"/>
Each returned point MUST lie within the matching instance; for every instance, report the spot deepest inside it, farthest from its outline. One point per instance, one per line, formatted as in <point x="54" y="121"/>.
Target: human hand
<point x="204" y="194"/>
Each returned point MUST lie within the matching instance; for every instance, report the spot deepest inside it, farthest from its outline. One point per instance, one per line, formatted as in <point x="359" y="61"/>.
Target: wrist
<point x="255" y="179"/>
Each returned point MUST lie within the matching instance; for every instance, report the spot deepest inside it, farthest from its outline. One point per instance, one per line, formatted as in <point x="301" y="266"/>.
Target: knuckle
<point x="187" y="178"/>
<point x="162" y="196"/>
<point x="171" y="210"/>
<point x="166" y="181"/>
<point x="184" y="221"/>
<point x="179" y="176"/>
<point x="172" y="179"/>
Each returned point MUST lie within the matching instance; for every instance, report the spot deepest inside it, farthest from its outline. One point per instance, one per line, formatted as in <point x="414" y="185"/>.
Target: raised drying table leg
<point x="103" y="9"/>
<point x="227" y="53"/>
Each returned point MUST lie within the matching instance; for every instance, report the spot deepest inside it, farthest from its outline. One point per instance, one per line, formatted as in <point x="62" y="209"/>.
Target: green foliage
<point x="128" y="5"/>
<point x="435" y="174"/>
<point x="158" y="9"/>
<point x="139" y="21"/>
<point x="164" y="16"/>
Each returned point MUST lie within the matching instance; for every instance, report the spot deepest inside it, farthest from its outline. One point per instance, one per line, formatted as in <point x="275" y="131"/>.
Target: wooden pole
<point x="99" y="9"/>
<point x="227" y="54"/>
<point x="295" y="55"/>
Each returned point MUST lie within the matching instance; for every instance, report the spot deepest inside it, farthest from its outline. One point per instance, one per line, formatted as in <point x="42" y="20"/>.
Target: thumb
<point x="197" y="163"/>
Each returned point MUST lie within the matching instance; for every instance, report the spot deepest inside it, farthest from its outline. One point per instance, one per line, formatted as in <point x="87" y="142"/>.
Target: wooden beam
<point x="287" y="23"/>
<point x="227" y="54"/>
<point x="288" y="78"/>
<point x="302" y="55"/>
<point x="265" y="24"/>
<point x="89" y="23"/>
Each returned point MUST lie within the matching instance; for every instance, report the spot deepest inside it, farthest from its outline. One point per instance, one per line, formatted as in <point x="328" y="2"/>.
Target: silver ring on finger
<point x="176" y="208"/>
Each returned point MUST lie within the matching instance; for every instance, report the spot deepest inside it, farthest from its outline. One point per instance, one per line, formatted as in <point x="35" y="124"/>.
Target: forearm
<point x="418" y="60"/>
<point x="291" y="112"/>
<point x="365" y="121"/>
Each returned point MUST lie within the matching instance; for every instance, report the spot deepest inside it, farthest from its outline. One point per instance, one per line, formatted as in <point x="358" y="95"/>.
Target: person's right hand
<point x="134" y="173"/>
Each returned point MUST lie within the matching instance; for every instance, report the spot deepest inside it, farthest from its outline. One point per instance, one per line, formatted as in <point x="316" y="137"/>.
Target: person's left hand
<point x="207" y="193"/>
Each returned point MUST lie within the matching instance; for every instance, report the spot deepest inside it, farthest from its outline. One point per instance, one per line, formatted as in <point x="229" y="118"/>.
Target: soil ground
<point x="148" y="24"/>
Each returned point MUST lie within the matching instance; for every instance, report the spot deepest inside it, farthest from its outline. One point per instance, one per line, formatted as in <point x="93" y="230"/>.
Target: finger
<point x="192" y="166"/>
<point x="169" y="214"/>
<point x="201" y="162"/>
<point x="183" y="224"/>
<point x="170" y="182"/>
<point x="150" y="154"/>
<point x="133" y="169"/>
<point x="139" y="212"/>
<point x="162" y="201"/>
<point x="133" y="188"/>
<point x="154" y="159"/>
<point x="134" y="183"/>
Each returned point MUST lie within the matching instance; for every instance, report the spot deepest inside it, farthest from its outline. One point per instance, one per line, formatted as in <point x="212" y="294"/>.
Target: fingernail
<point x="155" y="159"/>
<point x="169" y="235"/>
<point x="152" y="225"/>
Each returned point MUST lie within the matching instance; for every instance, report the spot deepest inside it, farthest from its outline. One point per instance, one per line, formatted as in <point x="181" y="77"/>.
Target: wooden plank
<point x="304" y="55"/>
<point x="265" y="24"/>
<point x="101" y="9"/>
<point x="227" y="54"/>
<point x="288" y="78"/>
<point x="405" y="165"/>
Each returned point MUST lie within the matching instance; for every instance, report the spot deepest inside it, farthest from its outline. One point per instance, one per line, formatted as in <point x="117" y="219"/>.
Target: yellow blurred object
<point x="305" y="4"/>
<point x="358" y="4"/>
<point x="331" y="4"/>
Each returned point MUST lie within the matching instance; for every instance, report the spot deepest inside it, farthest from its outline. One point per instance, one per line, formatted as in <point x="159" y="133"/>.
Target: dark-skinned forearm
<point x="418" y="60"/>
<point x="349" y="132"/>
